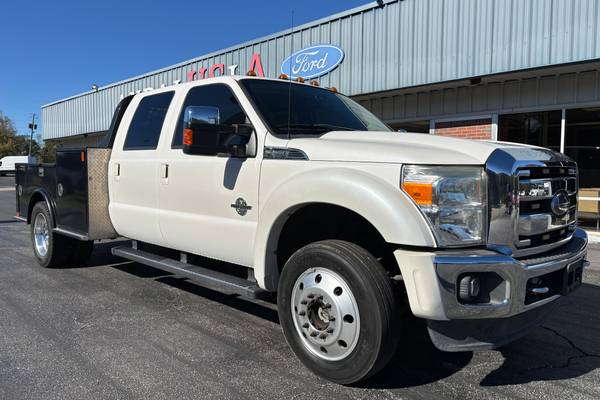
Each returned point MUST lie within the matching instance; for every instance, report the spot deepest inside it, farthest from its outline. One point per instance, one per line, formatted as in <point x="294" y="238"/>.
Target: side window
<point x="217" y="95"/>
<point x="147" y="122"/>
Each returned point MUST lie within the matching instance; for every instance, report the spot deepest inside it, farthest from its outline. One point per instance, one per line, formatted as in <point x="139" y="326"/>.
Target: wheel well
<point x="316" y="222"/>
<point x="35" y="198"/>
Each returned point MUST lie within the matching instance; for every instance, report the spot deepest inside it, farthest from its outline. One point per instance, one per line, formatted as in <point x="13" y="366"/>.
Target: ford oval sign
<point x="313" y="61"/>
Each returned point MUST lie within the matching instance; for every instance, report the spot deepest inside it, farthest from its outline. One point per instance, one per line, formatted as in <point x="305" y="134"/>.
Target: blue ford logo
<point x="313" y="61"/>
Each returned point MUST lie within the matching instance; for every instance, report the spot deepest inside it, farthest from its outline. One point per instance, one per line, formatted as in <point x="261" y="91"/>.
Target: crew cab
<point x="298" y="190"/>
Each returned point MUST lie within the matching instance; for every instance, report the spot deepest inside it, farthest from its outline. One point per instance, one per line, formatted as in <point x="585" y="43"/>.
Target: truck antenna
<point x="290" y="79"/>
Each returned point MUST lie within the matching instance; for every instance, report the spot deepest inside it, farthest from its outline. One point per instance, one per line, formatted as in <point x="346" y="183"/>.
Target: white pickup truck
<point x="302" y="192"/>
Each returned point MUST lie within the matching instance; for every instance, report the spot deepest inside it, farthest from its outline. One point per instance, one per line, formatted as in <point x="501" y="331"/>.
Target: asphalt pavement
<point x="118" y="330"/>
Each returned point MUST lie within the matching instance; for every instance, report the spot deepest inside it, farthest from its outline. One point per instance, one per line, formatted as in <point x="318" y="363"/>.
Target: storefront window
<point x="537" y="128"/>
<point x="413" y="126"/>
<point x="582" y="144"/>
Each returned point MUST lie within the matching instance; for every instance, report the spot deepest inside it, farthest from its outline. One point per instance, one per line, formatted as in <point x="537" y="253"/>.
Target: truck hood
<point x="396" y="147"/>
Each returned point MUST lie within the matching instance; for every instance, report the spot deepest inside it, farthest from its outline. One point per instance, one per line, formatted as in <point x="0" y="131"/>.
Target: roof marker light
<point x="251" y="73"/>
<point x="333" y="89"/>
<point x="314" y="83"/>
<point x="300" y="79"/>
<point x="284" y="77"/>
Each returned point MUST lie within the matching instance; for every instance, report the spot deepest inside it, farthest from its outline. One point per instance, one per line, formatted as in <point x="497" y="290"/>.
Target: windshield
<point x="313" y="111"/>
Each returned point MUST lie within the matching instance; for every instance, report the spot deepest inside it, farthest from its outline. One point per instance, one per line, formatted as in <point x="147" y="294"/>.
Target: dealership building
<point x="523" y="71"/>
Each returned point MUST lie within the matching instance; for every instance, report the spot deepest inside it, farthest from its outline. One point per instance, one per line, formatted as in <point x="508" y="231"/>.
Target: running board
<point x="204" y="276"/>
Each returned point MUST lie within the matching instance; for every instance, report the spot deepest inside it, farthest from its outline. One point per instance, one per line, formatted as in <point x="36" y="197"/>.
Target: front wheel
<point x="339" y="310"/>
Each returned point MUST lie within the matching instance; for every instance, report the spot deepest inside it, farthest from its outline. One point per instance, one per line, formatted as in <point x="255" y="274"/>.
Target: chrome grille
<point x="547" y="204"/>
<point x="532" y="196"/>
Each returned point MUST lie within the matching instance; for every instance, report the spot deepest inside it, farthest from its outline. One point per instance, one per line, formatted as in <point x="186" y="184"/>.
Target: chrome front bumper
<point x="431" y="279"/>
<point x="514" y="273"/>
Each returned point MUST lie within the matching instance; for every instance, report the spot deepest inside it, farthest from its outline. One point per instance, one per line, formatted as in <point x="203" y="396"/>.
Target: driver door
<point x="199" y="196"/>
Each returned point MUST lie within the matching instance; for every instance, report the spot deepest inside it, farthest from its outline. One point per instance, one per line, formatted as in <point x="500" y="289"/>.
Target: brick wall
<point x="469" y="129"/>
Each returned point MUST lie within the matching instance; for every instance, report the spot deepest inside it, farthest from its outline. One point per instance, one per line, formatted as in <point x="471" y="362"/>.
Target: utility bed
<point x="75" y="188"/>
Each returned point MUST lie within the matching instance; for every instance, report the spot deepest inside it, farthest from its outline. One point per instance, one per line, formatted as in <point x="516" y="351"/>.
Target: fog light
<point x="469" y="288"/>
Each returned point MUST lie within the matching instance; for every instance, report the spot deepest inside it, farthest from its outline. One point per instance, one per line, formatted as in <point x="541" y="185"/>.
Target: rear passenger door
<point x="134" y="169"/>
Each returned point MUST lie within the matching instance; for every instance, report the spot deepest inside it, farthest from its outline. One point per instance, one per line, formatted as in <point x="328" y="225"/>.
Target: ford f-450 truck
<point x="302" y="192"/>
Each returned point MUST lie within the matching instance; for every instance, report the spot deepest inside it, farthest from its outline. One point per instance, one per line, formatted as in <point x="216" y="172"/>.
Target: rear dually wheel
<point x="52" y="249"/>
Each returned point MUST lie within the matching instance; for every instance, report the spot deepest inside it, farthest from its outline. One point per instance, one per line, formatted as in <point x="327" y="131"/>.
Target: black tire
<point x="376" y="298"/>
<point x="59" y="248"/>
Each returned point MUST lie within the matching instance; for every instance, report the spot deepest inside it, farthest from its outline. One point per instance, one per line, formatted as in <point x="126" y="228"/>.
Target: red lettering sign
<point x="215" y="67"/>
<point x="255" y="65"/>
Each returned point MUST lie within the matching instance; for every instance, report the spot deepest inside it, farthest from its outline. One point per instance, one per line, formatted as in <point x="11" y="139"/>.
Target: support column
<point x="563" y="130"/>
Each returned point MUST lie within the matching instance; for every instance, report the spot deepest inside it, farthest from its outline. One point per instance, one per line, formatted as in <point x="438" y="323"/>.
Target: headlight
<point x="452" y="198"/>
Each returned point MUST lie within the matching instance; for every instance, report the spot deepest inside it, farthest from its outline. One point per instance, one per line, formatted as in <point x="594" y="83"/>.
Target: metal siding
<point x="403" y="44"/>
<point x="566" y="90"/>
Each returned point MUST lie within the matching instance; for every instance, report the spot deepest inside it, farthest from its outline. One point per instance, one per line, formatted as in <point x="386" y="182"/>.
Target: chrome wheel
<point x="41" y="235"/>
<point x="325" y="314"/>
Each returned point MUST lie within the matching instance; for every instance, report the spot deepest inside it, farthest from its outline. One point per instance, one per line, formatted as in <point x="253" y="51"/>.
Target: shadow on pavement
<point x="566" y="346"/>
<point x="417" y="362"/>
<point x="229" y="300"/>
<point x="103" y="257"/>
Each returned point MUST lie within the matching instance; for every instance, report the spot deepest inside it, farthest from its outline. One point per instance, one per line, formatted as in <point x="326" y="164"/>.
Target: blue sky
<point x="55" y="49"/>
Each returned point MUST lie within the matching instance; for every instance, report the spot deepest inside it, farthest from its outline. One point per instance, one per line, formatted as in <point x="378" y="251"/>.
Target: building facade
<point x="512" y="70"/>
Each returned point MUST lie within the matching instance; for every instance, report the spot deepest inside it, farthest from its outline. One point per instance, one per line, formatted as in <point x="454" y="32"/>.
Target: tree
<point x="47" y="154"/>
<point x="12" y="144"/>
<point x="8" y="135"/>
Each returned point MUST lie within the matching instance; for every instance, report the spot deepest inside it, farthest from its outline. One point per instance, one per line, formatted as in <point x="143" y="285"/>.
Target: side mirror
<point x="204" y="135"/>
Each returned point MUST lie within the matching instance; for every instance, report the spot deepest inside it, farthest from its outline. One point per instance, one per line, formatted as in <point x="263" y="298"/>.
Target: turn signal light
<point x="421" y="193"/>
<point x="188" y="137"/>
<point x="284" y="76"/>
<point x="251" y="73"/>
<point x="82" y="156"/>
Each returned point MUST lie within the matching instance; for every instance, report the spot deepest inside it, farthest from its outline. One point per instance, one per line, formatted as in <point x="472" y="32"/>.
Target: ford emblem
<point x="560" y="203"/>
<point x="313" y="61"/>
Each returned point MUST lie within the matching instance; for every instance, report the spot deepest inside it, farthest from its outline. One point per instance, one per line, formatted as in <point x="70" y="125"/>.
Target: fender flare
<point x="47" y="198"/>
<point x="383" y="205"/>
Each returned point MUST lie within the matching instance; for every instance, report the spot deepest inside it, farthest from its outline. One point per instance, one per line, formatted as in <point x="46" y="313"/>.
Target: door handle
<point x="164" y="171"/>
<point x="117" y="169"/>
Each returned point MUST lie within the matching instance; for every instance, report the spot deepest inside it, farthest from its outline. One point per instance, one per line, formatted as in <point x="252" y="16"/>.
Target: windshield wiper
<point x="317" y="127"/>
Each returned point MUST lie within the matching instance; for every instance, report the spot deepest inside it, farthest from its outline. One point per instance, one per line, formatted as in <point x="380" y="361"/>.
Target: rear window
<point x="146" y="125"/>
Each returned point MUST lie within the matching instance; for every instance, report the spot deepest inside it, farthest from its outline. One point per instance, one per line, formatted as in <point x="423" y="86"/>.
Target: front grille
<point x="532" y="200"/>
<point x="547" y="205"/>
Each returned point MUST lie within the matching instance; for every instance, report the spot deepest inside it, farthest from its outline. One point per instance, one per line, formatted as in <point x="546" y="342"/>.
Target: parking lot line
<point x="6" y="189"/>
